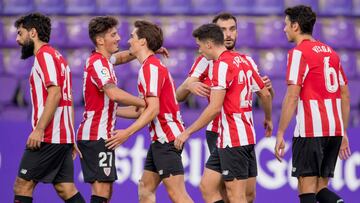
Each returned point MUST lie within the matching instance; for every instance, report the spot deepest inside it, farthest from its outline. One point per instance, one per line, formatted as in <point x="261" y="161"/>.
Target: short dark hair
<point x="100" y="25"/>
<point x="224" y="16"/>
<point x="151" y="32"/>
<point x="40" y="22"/>
<point x="211" y="32"/>
<point x="304" y="16"/>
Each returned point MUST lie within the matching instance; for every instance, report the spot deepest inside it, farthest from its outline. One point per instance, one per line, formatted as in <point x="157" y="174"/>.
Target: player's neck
<point x="103" y="52"/>
<point x="301" y="38"/>
<point x="218" y="51"/>
<point x="38" y="45"/>
<point x="143" y="55"/>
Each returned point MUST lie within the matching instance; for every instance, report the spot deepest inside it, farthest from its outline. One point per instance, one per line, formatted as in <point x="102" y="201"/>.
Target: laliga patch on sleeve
<point x="105" y="73"/>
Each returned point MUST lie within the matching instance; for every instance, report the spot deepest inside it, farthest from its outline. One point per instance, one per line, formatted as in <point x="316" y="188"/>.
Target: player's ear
<point x="33" y="33"/>
<point x="208" y="44"/>
<point x="143" y="41"/>
<point x="99" y="40"/>
<point x="295" y="26"/>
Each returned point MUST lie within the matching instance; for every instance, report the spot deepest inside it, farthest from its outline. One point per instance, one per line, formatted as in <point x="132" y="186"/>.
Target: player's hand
<point x="268" y="125"/>
<point x="35" y="138"/>
<point x="345" y="151"/>
<point x="118" y="137"/>
<point x="76" y="150"/>
<point x="180" y="140"/>
<point x="280" y="147"/>
<point x="267" y="82"/>
<point x="163" y="51"/>
<point x="199" y="89"/>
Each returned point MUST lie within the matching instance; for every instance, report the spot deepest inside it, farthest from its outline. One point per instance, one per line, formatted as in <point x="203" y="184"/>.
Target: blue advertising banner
<point x="274" y="182"/>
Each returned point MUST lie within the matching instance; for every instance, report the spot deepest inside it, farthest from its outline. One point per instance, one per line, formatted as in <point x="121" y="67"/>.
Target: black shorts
<point x="52" y="163"/>
<point x="98" y="162"/>
<point x="315" y="156"/>
<point x="211" y="139"/>
<point x="164" y="159"/>
<point x="236" y="162"/>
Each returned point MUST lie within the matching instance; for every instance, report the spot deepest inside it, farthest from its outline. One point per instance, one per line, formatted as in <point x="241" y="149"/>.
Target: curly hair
<point x="38" y="21"/>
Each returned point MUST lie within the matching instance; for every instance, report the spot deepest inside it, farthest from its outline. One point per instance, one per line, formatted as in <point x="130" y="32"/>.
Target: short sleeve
<point x="100" y="74"/>
<point x="152" y="80"/>
<point x="49" y="69"/>
<point x="221" y="75"/>
<point x="256" y="81"/>
<point x="296" y="68"/>
<point x="200" y="68"/>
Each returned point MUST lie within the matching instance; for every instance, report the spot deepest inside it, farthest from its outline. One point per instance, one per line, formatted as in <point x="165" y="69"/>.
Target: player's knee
<point x="233" y="197"/>
<point x="203" y="188"/>
<point x="65" y="191"/>
<point x="145" y="193"/>
<point x="102" y="189"/>
<point x="22" y="186"/>
<point x="250" y="196"/>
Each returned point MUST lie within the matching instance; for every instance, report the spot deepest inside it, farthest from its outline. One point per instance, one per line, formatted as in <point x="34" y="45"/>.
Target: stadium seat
<point x="77" y="90"/>
<point x="50" y="6"/>
<point x="106" y="7"/>
<point x="58" y="37"/>
<point x="354" y="93"/>
<point x="25" y="91"/>
<point x="177" y="7"/>
<point x="124" y="32"/>
<point x="82" y="7"/>
<point x="272" y="62"/>
<point x="15" y="66"/>
<point x="246" y="30"/>
<point x="270" y="7"/>
<point x="236" y="7"/>
<point x="206" y="6"/>
<point x="16" y="7"/>
<point x="77" y="29"/>
<point x="354" y="120"/>
<point x="76" y="60"/>
<point x="143" y="7"/>
<point x="313" y="3"/>
<point x="13" y="113"/>
<point x="348" y="62"/>
<point x="9" y="34"/>
<point x="2" y="38"/>
<point x="339" y="33"/>
<point x="177" y="33"/>
<point x="271" y="28"/>
<point x="279" y="87"/>
<point x="356" y="7"/>
<point x="335" y="7"/>
<point x="318" y="30"/>
<point x="9" y="86"/>
<point x="180" y="62"/>
<point x="1" y="63"/>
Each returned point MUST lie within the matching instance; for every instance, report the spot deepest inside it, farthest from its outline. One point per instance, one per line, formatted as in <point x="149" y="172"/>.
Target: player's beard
<point x="230" y="47"/>
<point x="27" y="49"/>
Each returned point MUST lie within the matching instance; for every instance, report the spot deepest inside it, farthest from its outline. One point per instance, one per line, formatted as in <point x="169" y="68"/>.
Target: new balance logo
<point x="293" y="169"/>
<point x="161" y="172"/>
<point x="340" y="201"/>
<point x="225" y="172"/>
<point x="23" y="171"/>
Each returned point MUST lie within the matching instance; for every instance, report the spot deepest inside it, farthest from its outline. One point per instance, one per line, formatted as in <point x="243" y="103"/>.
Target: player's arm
<point x="130" y="112"/>
<point x="210" y="112"/>
<point x="182" y="92"/>
<point x="345" y="151"/>
<point x="266" y="101"/>
<point x="288" y="108"/>
<point x="120" y="96"/>
<point x="151" y="111"/>
<point x="268" y="85"/>
<point x="52" y="102"/>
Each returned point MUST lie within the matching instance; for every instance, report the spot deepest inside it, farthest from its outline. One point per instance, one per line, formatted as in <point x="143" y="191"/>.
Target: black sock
<point x="220" y="201"/>
<point x="98" y="199"/>
<point x="307" y="198"/>
<point x="77" y="198"/>
<point x="22" y="199"/>
<point x="327" y="196"/>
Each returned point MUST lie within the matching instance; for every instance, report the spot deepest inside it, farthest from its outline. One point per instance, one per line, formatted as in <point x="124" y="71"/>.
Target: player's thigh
<point x="211" y="181"/>
<point x="24" y="187"/>
<point x="251" y="185"/>
<point x="175" y="184"/>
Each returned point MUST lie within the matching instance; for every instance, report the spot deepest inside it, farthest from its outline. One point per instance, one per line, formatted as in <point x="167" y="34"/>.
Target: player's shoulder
<point x="96" y="58"/>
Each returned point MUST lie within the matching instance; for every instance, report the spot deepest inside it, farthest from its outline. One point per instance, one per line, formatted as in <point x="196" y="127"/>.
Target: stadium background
<point x="260" y="34"/>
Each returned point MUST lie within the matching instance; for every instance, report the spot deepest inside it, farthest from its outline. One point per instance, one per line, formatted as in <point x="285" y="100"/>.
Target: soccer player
<point x="155" y="84"/>
<point x="101" y="97"/>
<point x="233" y="79"/>
<point x="317" y="88"/>
<point x="198" y="83"/>
<point x="50" y="149"/>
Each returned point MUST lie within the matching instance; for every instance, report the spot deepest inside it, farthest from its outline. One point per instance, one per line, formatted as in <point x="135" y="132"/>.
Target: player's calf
<point x="145" y="194"/>
<point x="327" y="196"/>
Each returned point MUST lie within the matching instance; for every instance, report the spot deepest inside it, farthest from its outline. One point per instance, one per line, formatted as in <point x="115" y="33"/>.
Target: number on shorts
<point x="105" y="159"/>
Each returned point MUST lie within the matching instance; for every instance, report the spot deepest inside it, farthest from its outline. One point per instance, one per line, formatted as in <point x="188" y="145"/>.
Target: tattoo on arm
<point x="109" y="86"/>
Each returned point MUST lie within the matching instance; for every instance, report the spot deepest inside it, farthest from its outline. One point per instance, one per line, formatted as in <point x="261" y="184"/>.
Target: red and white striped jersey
<point x="316" y="68"/>
<point x="155" y="81"/>
<point x="236" y="74"/>
<point x="100" y="112"/>
<point x="200" y="69"/>
<point x="51" y="69"/>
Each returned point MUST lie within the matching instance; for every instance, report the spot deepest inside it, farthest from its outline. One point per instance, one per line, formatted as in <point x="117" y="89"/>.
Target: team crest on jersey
<point x="107" y="171"/>
<point x="105" y="72"/>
